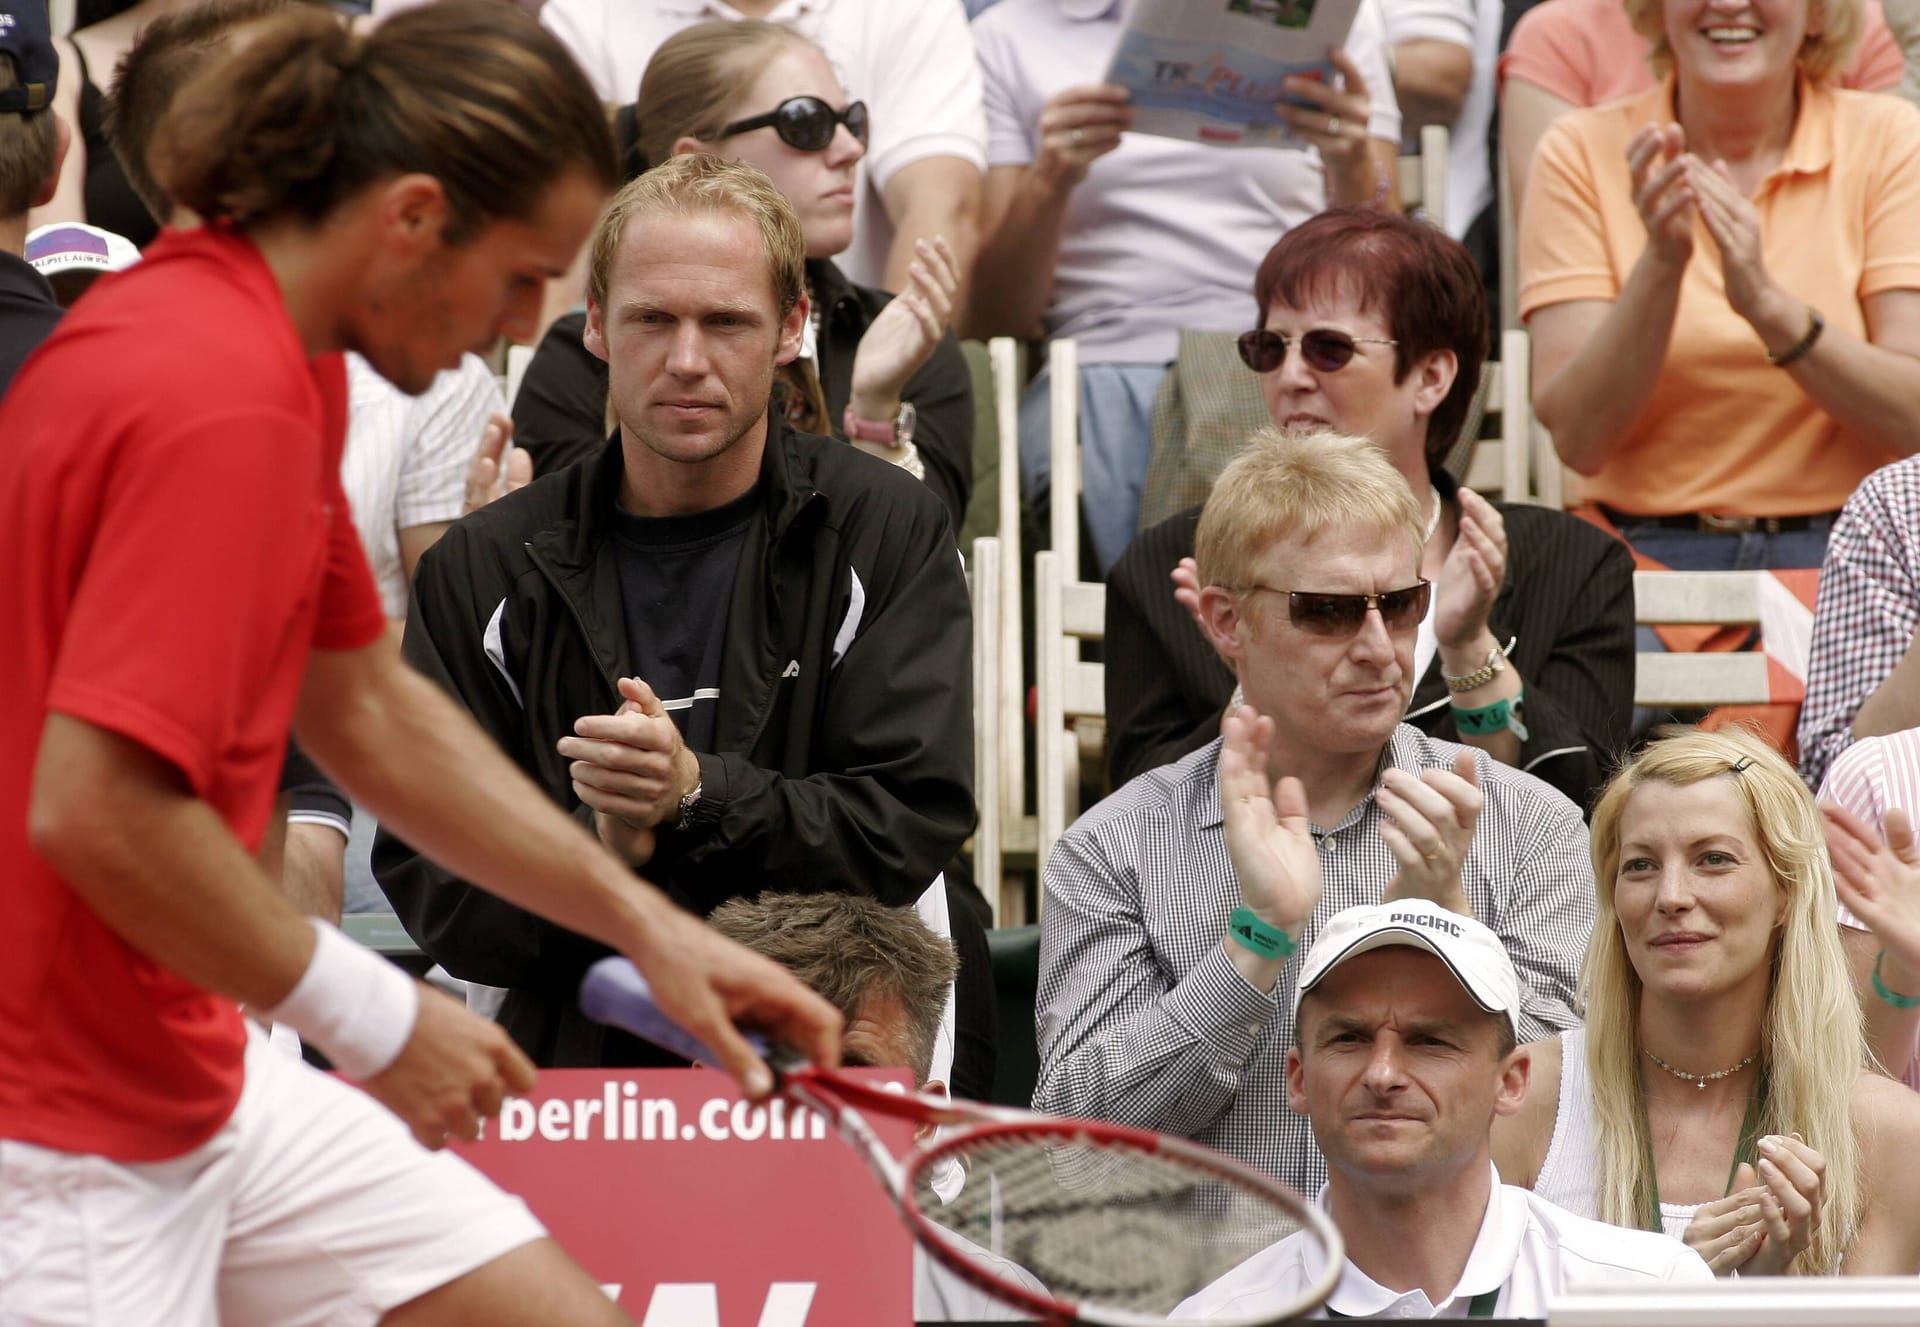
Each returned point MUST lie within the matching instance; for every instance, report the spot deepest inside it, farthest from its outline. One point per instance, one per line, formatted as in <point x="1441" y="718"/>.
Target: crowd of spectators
<point x="698" y="580"/>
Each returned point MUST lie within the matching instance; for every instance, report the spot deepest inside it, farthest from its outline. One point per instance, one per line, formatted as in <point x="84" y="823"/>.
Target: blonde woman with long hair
<point x="1720" y="1088"/>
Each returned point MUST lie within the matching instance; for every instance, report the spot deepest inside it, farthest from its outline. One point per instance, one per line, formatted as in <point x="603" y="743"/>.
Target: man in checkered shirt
<point x="1163" y="978"/>
<point x="1863" y="678"/>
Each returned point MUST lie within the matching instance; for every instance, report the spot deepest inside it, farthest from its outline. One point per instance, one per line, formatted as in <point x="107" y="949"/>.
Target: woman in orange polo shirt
<point x="1722" y="279"/>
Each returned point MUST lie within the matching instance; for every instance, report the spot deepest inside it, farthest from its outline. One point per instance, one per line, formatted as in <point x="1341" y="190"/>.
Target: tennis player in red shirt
<point x="181" y="583"/>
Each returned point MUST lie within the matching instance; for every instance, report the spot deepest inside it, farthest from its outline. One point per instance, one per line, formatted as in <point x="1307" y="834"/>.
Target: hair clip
<point x="1740" y="764"/>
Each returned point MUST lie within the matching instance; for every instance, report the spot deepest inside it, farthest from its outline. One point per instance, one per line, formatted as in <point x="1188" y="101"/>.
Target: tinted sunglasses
<point x="805" y="123"/>
<point x="1341" y="614"/>
<point x="1325" y="350"/>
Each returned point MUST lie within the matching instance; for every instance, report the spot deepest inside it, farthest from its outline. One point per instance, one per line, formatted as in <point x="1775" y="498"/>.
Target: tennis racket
<point x="1074" y="1221"/>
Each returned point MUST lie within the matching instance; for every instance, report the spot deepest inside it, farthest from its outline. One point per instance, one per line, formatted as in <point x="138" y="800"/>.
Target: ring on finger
<point x="1333" y="126"/>
<point x="1075" y="136"/>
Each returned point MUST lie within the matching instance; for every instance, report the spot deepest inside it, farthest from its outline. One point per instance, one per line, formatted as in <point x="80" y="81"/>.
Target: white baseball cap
<point x="1471" y="952"/>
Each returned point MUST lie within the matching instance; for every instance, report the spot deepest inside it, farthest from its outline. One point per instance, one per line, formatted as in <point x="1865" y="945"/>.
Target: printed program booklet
<point x="1211" y="71"/>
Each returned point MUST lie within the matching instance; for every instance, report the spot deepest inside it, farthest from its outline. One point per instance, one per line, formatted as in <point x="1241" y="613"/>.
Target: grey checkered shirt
<point x="1867" y="610"/>
<point x="1143" y="1020"/>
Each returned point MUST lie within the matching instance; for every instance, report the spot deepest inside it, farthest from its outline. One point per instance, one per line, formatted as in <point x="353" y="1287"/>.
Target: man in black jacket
<point x="739" y="652"/>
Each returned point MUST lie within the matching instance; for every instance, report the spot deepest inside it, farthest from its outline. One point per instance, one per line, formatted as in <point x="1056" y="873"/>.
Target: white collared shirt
<point x="1527" y="1249"/>
<point x="911" y="61"/>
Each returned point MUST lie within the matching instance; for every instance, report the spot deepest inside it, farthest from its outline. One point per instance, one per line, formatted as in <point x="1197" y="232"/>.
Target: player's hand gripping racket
<point x="1115" y="1225"/>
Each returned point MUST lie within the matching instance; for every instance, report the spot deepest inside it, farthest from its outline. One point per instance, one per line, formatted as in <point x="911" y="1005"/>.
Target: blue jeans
<point x="1116" y="441"/>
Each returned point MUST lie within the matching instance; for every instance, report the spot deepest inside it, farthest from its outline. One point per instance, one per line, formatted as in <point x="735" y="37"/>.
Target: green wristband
<point x="1264" y="940"/>
<point x="1497" y="717"/>
<point x="1892" y="997"/>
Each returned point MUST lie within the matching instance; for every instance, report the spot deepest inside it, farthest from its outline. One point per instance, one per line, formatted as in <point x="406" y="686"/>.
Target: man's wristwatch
<point x="896" y="434"/>
<point x="1495" y="665"/>
<point x="687" y="804"/>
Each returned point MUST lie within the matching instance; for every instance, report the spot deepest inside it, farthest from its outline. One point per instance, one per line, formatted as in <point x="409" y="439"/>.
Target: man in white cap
<point x="1405" y="1034"/>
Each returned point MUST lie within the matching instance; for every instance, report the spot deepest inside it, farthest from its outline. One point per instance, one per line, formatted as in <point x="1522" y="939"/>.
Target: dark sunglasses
<point x="805" y="123"/>
<point x="1325" y="350"/>
<point x="1342" y="614"/>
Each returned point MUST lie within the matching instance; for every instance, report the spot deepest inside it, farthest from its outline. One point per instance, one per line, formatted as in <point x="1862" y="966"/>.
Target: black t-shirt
<point x="676" y="584"/>
<point x="28" y="314"/>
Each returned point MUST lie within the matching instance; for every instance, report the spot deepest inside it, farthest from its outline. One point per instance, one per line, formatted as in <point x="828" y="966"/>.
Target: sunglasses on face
<point x="1337" y="615"/>
<point x="805" y="123"/>
<point x="1325" y="350"/>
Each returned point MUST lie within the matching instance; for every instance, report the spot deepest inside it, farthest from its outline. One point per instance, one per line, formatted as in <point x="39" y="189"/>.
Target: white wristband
<point x="351" y="1003"/>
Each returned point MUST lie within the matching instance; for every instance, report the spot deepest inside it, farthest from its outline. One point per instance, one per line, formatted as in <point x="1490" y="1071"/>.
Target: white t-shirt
<point x="406" y="459"/>
<point x="1162" y="234"/>
<point x="1474" y="24"/>
<point x="1528" y="1249"/>
<point x="911" y="61"/>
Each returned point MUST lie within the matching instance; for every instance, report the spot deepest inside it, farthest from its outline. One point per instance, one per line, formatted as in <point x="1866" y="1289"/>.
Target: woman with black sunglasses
<point x="1375" y="325"/>
<point x="880" y="371"/>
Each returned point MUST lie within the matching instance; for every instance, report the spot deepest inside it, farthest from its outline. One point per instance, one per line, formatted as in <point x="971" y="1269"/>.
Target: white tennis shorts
<point x="312" y="1205"/>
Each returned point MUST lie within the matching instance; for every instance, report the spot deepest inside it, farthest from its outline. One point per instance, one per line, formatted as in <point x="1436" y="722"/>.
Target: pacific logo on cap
<point x="1423" y="919"/>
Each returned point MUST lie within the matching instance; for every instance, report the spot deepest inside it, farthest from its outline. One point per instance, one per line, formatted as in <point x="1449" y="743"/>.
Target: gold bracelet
<point x="1495" y="665"/>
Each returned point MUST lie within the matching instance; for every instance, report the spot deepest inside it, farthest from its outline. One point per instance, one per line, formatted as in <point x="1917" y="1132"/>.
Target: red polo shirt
<point x="175" y="541"/>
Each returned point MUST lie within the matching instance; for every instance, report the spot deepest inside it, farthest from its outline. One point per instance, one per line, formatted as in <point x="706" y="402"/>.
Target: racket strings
<point x="1102" y="1222"/>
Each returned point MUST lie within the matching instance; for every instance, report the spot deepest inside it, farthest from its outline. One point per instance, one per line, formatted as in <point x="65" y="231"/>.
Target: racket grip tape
<point x="614" y="992"/>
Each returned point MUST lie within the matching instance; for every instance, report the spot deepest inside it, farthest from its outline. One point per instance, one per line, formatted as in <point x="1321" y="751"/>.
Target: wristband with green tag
<point x="1500" y="716"/>
<point x="1264" y="940"/>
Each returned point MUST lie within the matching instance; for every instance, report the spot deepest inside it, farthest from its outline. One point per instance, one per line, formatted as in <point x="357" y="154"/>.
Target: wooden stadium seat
<point x="1518" y="463"/>
<point x="1006" y="785"/>
<point x="985" y="591"/>
<point x="1071" y="707"/>
<point x="1700" y="598"/>
<point x="1423" y="175"/>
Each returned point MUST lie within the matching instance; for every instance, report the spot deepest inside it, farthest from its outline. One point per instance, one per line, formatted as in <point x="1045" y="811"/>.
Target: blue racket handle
<point x="614" y="992"/>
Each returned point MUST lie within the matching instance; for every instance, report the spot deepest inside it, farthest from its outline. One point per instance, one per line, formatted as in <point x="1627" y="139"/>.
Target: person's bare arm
<point x="1025" y="211"/>
<point x="313" y="870"/>
<point x="408" y="753"/>
<point x="156" y="865"/>
<point x="1895" y="703"/>
<point x="1526" y="110"/>
<point x="1430" y="80"/>
<point x="926" y="199"/>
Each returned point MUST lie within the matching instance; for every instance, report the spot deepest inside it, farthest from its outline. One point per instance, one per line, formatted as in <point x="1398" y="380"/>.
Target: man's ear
<point x="1222" y="620"/>
<point x="792" y="330"/>
<point x="594" y="335"/>
<point x="1296" y="1082"/>
<point x="413" y="213"/>
<point x="1433" y="378"/>
<point x="63" y="139"/>
<point x="688" y="143"/>
<point x="933" y="1087"/>
<point x="1515" y="1072"/>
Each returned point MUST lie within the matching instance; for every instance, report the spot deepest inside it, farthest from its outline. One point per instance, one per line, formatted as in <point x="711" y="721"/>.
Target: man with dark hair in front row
<point x="182" y="581"/>
<point x="1405" y="1030"/>
<point x="890" y="978"/>
<point x="33" y="142"/>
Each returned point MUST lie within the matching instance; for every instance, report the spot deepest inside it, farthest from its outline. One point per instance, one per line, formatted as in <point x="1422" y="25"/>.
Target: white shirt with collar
<point x="1528" y="1250"/>
<point x="911" y="61"/>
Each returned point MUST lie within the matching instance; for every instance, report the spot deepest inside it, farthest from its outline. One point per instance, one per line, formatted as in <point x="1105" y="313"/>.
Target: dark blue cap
<point x="26" y="37"/>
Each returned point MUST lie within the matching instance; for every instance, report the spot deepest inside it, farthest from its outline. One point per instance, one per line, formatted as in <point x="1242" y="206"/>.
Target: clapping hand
<point x="1269" y="837"/>
<point x="905" y="334"/>
<point x="1879" y="881"/>
<point x="1663" y="191"/>
<point x="1428" y="827"/>
<point x="1471" y="577"/>
<point x="632" y="768"/>
<point x="1792" y="1180"/>
<point x="1734" y="223"/>
<point x="485" y="482"/>
<point x="1728" y="1231"/>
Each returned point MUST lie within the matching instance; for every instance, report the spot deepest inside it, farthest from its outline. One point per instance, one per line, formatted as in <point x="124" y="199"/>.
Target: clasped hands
<point x="1770" y="1216"/>
<point x="1672" y="186"/>
<point x="632" y="768"/>
<point x="1428" y="825"/>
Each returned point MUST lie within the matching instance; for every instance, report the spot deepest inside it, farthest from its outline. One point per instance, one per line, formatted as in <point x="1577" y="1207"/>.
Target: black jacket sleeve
<point x="475" y="935"/>
<point x="1165" y="685"/>
<point x="886" y="796"/>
